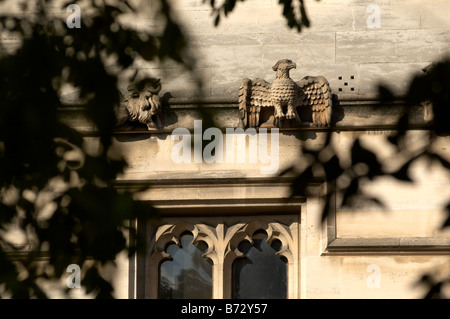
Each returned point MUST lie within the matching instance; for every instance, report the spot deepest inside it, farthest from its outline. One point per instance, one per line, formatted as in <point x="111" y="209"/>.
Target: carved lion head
<point x="142" y="101"/>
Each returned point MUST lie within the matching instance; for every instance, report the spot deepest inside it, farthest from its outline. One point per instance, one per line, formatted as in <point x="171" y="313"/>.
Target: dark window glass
<point x="188" y="275"/>
<point x="260" y="274"/>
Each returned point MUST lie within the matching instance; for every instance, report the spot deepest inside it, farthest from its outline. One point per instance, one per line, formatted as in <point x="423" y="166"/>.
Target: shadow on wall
<point x="305" y="115"/>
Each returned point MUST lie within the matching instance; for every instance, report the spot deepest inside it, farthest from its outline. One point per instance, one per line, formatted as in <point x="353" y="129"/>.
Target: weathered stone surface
<point x="317" y="53"/>
<point x="141" y="103"/>
<point x="255" y="35"/>
<point x="354" y="58"/>
<point x="396" y="76"/>
<point x="435" y="15"/>
<point x="388" y="223"/>
<point x="391" y="46"/>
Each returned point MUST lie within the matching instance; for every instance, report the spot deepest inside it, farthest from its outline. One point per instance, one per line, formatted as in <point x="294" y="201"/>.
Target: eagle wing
<point x="252" y="96"/>
<point x="315" y="92"/>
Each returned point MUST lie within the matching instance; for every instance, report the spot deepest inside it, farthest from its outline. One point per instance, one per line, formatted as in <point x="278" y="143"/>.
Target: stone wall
<point x="345" y="43"/>
<point x="343" y="48"/>
<point x="340" y="44"/>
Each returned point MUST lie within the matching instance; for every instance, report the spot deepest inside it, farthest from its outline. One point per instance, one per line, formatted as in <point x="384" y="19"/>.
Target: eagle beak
<point x="294" y="65"/>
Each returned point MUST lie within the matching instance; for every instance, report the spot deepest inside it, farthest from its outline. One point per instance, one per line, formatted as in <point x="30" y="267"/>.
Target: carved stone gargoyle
<point x="141" y="103"/>
<point x="285" y="96"/>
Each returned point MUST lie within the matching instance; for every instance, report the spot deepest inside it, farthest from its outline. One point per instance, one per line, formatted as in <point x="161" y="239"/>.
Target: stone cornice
<point x="351" y="112"/>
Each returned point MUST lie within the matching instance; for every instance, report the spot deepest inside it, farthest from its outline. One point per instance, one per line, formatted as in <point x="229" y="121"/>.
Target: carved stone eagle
<point x="284" y="93"/>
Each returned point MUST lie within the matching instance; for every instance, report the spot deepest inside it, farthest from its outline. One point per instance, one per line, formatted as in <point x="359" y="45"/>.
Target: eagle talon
<point x="278" y="113"/>
<point x="290" y="115"/>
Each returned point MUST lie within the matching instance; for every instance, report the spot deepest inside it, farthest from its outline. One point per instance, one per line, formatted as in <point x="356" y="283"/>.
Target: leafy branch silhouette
<point x="56" y="193"/>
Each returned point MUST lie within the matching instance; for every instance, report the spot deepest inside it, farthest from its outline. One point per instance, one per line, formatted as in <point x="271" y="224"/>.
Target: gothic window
<point x="260" y="274"/>
<point x="186" y="275"/>
<point x="229" y="258"/>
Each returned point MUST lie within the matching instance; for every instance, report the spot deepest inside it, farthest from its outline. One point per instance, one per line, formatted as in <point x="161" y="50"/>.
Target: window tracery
<point x="222" y="242"/>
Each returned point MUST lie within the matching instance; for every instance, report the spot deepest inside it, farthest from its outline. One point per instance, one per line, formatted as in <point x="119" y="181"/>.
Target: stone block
<point x="391" y="46"/>
<point x="224" y="40"/>
<point x="240" y="21"/>
<point x="313" y="53"/>
<point x="390" y="224"/>
<point x="226" y="80"/>
<point x="386" y="277"/>
<point x="435" y="15"/>
<point x="396" y="76"/>
<point x="178" y="82"/>
<point x="322" y="279"/>
<point x="218" y="56"/>
<point x="331" y="17"/>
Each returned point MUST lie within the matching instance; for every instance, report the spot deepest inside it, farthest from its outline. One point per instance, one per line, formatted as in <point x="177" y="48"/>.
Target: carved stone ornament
<point x="286" y="97"/>
<point x="141" y="103"/>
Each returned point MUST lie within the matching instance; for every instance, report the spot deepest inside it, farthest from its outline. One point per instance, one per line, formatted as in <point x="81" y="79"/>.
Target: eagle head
<point x="284" y="65"/>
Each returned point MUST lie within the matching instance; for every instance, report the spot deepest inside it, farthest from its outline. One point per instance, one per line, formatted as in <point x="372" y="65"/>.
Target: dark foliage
<point x="432" y="90"/>
<point x="293" y="11"/>
<point x="59" y="195"/>
<point x="56" y="193"/>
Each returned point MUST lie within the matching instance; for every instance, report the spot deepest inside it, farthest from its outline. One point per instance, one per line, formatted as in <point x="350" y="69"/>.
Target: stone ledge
<point x="214" y="207"/>
<point x="206" y="180"/>
<point x="351" y="112"/>
<point x="411" y="245"/>
<point x="218" y="195"/>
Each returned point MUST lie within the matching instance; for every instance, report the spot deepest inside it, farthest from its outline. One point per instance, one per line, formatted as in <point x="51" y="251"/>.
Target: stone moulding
<point x="372" y="246"/>
<point x="351" y="112"/>
<point x="383" y="246"/>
